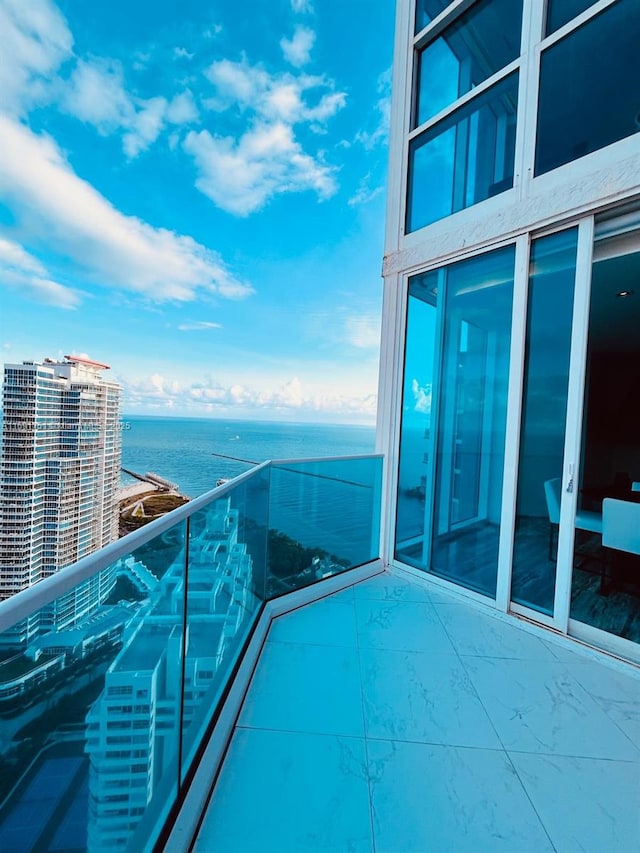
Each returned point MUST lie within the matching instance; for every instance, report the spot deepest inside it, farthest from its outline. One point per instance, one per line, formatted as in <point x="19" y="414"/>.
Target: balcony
<point x="394" y="716"/>
<point x="164" y="616"/>
<point x="250" y="678"/>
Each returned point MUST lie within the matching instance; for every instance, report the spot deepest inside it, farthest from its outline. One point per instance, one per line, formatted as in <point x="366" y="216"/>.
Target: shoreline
<point x="125" y="493"/>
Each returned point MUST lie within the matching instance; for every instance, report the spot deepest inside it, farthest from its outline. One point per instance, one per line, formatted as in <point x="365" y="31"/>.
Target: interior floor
<point x="470" y="560"/>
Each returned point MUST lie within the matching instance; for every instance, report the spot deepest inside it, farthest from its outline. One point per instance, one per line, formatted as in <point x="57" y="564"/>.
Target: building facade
<point x="59" y="478"/>
<point x="511" y="354"/>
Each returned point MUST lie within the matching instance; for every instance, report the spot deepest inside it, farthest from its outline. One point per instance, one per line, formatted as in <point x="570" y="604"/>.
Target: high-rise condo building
<point x="510" y="350"/>
<point x="59" y="476"/>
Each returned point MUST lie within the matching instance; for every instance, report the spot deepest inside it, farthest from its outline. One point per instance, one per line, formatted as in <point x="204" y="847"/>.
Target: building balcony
<point x="395" y="716"/>
<point x="256" y="681"/>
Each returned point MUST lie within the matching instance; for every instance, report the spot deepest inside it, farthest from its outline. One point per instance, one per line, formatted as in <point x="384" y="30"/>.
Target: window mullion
<point x="468" y="96"/>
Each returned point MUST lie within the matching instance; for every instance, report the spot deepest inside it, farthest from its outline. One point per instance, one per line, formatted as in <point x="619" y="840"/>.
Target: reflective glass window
<point x="454" y="419"/>
<point x="465" y="158"/>
<point x="560" y="12"/>
<point x="427" y="10"/>
<point x="589" y="84"/>
<point x="416" y="434"/>
<point x="544" y="410"/>
<point x="475" y="46"/>
<point x="472" y="417"/>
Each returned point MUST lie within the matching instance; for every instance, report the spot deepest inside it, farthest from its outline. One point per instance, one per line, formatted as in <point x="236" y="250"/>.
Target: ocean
<point x="191" y="452"/>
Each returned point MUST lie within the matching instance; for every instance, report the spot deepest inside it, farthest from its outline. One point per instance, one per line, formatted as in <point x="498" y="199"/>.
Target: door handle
<point x="569" y="488"/>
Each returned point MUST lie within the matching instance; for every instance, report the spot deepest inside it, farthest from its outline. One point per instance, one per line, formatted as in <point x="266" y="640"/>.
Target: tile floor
<point x="393" y="717"/>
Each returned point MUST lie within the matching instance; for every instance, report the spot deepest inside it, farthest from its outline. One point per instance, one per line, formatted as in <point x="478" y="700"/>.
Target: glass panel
<point x="465" y="158"/>
<point x="472" y="419"/>
<point x="585" y="105"/>
<point x="474" y="47"/>
<point x="225" y="590"/>
<point x="414" y="479"/>
<point x="559" y="12"/>
<point x="427" y="10"/>
<point x="91" y="712"/>
<point x="324" y="517"/>
<point x="606" y="583"/>
<point x="544" y="410"/>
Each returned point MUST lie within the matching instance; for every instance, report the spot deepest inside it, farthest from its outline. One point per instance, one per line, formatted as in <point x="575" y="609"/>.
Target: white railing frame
<point x="27" y="601"/>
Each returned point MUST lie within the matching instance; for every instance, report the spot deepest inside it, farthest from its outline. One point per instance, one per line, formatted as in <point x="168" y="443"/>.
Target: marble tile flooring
<point x="394" y="717"/>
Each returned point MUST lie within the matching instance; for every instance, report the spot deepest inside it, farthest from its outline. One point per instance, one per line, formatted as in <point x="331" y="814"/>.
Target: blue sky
<point x="194" y="194"/>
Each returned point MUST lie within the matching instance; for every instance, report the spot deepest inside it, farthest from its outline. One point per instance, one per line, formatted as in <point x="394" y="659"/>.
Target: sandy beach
<point x="135" y="489"/>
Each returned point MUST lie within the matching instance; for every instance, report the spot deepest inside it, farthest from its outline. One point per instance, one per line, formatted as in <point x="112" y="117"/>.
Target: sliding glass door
<point x="454" y="413"/>
<point x="545" y="386"/>
<point x="605" y="582"/>
<point x="519" y="427"/>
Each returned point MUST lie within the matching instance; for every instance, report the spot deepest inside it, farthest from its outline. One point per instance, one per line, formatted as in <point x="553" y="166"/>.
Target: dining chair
<point x="585" y="520"/>
<point x="620" y="528"/>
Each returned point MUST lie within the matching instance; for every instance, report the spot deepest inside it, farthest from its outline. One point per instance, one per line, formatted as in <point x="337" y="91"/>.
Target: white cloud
<point x="14" y="256"/>
<point x="96" y="94"/>
<point x="274" y="97"/>
<point x="300" y="6"/>
<point x="297" y="50"/>
<point x="370" y="138"/>
<point x="21" y="270"/>
<point x="342" y="326"/>
<point x="114" y="250"/>
<point x="212" y="32"/>
<point x="182" y="109"/>
<point x="363" y="331"/>
<point x="292" y="396"/>
<point x="198" y="326"/>
<point x="182" y="53"/>
<point x="422" y="397"/>
<point x="35" y="41"/>
<point x="365" y="193"/>
<point x="145" y="127"/>
<point x="241" y="175"/>
<point x="52" y="293"/>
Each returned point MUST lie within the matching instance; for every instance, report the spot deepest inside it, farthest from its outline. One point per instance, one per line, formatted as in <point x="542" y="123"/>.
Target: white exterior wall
<point x="573" y="194"/>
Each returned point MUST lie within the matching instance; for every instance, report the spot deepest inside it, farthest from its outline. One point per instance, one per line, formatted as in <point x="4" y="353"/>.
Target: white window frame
<point x="583" y="176"/>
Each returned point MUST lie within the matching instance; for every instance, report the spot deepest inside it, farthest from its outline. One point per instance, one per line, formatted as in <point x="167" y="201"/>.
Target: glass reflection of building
<point x="134" y="727"/>
<point x="512" y="262"/>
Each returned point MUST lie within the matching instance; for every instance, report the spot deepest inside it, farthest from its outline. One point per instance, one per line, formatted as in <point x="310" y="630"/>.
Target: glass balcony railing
<point x="112" y="671"/>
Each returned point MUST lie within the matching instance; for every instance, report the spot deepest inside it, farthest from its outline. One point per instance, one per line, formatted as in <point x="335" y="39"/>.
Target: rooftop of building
<point x="86" y="362"/>
<point x="144" y="650"/>
<point x="396" y="716"/>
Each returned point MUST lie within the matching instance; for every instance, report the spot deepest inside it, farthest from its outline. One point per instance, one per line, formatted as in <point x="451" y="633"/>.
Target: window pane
<point x="414" y="480"/>
<point x="464" y="159"/>
<point x="454" y="418"/>
<point x="324" y="518"/>
<point x="544" y="410"/>
<point x="584" y="104"/>
<point x="472" y="418"/>
<point x="559" y="12"/>
<point x="427" y="10"/>
<point x="474" y="47"/>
